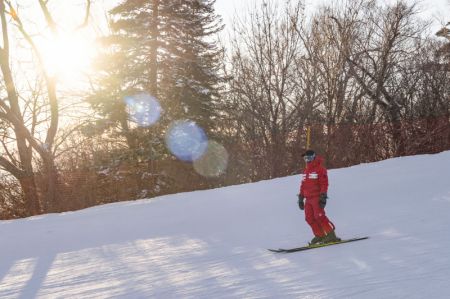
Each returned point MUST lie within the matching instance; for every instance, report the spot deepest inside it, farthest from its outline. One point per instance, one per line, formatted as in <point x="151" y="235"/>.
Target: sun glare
<point x="68" y="56"/>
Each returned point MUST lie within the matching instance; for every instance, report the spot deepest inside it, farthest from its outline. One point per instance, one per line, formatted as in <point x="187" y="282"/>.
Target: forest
<point x="175" y="101"/>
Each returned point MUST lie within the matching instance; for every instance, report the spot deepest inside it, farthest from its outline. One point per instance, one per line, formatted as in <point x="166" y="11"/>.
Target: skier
<point x="313" y="198"/>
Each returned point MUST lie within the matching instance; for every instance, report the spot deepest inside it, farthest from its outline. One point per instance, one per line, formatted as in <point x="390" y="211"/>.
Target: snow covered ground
<point x="212" y="244"/>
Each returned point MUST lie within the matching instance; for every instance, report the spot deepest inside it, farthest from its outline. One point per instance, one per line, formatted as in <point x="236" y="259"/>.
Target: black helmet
<point x="309" y="156"/>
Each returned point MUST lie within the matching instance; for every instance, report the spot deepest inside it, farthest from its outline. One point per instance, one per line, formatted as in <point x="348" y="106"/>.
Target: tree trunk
<point x="29" y="189"/>
<point x="153" y="84"/>
<point x="397" y="136"/>
<point x="51" y="203"/>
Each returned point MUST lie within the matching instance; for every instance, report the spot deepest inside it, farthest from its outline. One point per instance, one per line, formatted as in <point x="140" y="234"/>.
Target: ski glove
<point x="301" y="204"/>
<point x="323" y="200"/>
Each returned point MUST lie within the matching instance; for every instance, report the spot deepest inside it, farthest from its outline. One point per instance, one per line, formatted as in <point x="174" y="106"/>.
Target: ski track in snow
<point x="213" y="244"/>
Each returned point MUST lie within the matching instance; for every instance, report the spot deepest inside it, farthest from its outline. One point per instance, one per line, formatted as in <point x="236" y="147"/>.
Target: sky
<point x="437" y="10"/>
<point x="78" y="43"/>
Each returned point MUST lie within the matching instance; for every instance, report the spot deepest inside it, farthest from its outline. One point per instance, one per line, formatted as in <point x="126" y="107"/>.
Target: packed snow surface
<point x="213" y="244"/>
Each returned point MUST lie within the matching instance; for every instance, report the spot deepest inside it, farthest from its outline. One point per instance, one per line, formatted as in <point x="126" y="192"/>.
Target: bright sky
<point x="69" y="54"/>
<point x="72" y="51"/>
<point x="437" y="10"/>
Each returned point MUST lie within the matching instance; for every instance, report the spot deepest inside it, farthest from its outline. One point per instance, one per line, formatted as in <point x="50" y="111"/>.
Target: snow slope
<point x="212" y="244"/>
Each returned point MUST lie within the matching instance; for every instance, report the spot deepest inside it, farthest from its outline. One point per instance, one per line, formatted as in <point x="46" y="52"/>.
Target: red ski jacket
<point x="314" y="179"/>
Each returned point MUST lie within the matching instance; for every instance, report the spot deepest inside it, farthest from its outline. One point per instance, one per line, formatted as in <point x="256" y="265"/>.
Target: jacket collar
<point x="315" y="163"/>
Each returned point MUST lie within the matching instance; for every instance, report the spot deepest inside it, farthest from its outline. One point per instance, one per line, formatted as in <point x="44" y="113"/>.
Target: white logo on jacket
<point x="312" y="176"/>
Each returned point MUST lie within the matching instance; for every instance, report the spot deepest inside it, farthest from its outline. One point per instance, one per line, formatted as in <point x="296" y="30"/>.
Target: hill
<point x="212" y="244"/>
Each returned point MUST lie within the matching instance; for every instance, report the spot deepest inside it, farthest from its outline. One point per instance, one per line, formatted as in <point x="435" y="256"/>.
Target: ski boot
<point x="316" y="240"/>
<point x="330" y="237"/>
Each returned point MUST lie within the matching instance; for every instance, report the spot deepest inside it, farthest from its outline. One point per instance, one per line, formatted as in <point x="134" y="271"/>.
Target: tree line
<point x="369" y="81"/>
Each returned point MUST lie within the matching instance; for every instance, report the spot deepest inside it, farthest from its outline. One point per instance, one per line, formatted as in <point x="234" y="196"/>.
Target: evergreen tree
<point x="166" y="49"/>
<point x="192" y="59"/>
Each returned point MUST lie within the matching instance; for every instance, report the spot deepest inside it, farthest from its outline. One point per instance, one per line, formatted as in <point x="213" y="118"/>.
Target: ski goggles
<point x="308" y="158"/>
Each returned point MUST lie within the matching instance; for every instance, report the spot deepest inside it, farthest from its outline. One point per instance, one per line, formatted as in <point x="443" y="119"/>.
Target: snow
<point x="212" y="244"/>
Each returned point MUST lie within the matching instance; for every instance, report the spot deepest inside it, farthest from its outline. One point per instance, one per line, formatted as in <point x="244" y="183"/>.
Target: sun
<point x="67" y="57"/>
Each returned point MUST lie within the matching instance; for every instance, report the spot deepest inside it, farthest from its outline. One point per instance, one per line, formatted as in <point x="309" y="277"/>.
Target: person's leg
<point x="321" y="218"/>
<point x="325" y="224"/>
<point x="311" y="219"/>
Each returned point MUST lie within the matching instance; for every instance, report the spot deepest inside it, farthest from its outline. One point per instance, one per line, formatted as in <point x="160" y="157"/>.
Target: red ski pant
<point x="316" y="218"/>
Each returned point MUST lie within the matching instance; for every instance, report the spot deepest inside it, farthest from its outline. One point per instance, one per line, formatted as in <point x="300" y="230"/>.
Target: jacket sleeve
<point x="301" y="185"/>
<point x="323" y="180"/>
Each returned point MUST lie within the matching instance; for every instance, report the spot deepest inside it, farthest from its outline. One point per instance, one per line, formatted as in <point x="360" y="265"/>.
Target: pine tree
<point x="192" y="72"/>
<point x="164" y="48"/>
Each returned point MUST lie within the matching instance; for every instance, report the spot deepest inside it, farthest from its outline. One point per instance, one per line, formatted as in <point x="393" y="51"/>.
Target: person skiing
<point x="313" y="199"/>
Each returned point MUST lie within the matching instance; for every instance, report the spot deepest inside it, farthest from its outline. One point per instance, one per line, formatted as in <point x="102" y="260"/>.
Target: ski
<point x="316" y="245"/>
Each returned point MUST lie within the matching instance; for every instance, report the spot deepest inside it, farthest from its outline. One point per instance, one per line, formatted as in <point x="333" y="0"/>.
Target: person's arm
<point x="301" y="197"/>
<point x="323" y="180"/>
<point x="301" y="185"/>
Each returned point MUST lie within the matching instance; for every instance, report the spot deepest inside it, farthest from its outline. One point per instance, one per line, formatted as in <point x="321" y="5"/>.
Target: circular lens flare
<point x="214" y="162"/>
<point x="143" y="109"/>
<point x="186" y="140"/>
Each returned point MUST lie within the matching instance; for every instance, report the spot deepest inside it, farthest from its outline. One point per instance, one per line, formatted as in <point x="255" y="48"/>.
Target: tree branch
<point x="48" y="17"/>
<point x="86" y="15"/>
<point x="9" y="167"/>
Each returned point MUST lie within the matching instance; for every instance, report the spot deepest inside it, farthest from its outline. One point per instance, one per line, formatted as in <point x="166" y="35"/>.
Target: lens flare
<point x="214" y="162"/>
<point x="186" y="140"/>
<point x="143" y="109"/>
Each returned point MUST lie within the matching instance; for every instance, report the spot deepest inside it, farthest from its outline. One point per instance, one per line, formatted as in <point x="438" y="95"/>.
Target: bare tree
<point x="324" y="77"/>
<point x="266" y="104"/>
<point x="30" y="117"/>
<point x="386" y="46"/>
